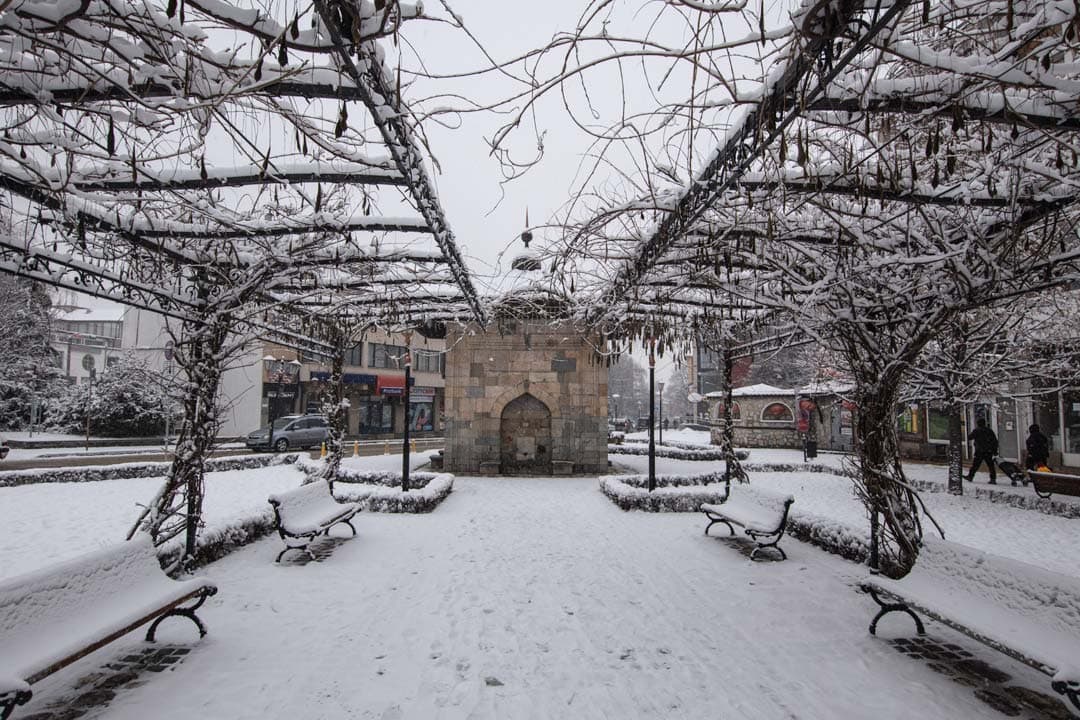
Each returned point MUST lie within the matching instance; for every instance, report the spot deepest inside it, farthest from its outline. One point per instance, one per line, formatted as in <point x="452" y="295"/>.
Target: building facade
<point x="526" y="397"/>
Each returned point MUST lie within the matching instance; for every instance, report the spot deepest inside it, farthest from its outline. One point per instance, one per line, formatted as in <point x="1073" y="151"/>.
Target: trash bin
<point x="810" y="449"/>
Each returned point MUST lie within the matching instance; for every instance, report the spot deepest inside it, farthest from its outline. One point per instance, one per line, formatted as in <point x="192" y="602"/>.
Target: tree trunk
<point x="336" y="409"/>
<point x="882" y="485"/>
<point x="956" y="449"/>
<point x="733" y="469"/>
<point x="177" y="508"/>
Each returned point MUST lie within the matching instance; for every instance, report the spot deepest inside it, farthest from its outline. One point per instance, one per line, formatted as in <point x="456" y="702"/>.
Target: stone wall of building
<point x="753" y="432"/>
<point x="552" y="362"/>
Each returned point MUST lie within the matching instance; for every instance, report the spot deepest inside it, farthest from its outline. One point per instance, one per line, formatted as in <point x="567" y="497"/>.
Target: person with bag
<point x="1038" y="449"/>
<point x="986" y="447"/>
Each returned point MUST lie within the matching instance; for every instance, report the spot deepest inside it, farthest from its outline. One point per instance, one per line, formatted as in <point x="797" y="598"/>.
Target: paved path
<point x="537" y="598"/>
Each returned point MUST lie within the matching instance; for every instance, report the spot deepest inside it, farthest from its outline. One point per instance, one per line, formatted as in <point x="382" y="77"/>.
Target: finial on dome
<point x="526" y="236"/>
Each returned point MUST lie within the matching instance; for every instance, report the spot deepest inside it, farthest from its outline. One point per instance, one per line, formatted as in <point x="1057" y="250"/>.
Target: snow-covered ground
<point x="527" y="598"/>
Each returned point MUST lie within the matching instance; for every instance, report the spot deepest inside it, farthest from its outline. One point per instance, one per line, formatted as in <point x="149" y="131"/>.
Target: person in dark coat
<point x="986" y="447"/>
<point x="1038" y="448"/>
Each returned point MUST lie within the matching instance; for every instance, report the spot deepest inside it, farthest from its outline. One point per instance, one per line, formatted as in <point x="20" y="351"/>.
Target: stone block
<point x="562" y="467"/>
<point x="489" y="468"/>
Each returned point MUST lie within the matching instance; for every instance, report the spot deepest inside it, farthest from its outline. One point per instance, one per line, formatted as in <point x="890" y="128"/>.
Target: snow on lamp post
<point x="660" y="417"/>
<point x="652" y="415"/>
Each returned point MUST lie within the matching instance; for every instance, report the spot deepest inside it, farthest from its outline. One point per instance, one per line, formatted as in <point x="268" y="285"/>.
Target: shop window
<point x="777" y="412"/>
<point x="421" y="416"/>
<point x="376" y="416"/>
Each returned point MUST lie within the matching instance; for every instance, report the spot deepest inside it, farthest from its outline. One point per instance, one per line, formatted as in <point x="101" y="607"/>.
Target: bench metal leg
<point x="348" y="522"/>
<point x="887" y="608"/>
<point x="188" y="612"/>
<point x="8" y="701"/>
<point x="714" y="520"/>
<point x="774" y="545"/>
<point x="1069" y="690"/>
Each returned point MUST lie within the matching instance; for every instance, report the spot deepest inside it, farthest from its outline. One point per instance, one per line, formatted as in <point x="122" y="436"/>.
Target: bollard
<point x="386" y="448"/>
<point x="322" y="451"/>
<point x="412" y="445"/>
<point x="356" y="448"/>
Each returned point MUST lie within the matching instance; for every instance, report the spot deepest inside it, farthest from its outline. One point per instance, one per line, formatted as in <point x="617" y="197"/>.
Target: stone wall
<point x="753" y="432"/>
<point x="550" y="361"/>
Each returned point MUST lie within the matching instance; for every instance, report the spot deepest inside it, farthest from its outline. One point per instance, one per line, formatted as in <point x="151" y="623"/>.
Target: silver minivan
<point x="291" y="431"/>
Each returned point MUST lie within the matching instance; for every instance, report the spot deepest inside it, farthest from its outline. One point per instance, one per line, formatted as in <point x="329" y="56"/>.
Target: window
<point x="427" y="361"/>
<point x="111" y="360"/>
<point x="736" y="411"/>
<point x="421" y="416"/>
<point x="355" y="355"/>
<point x="386" y="356"/>
<point x="376" y="417"/>
<point x="777" y="412"/>
<point x="909" y="420"/>
<point x="88" y="362"/>
<point x="937" y="425"/>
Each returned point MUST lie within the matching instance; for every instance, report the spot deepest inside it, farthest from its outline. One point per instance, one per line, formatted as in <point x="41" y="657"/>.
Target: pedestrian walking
<point x="986" y="447"/>
<point x="1038" y="449"/>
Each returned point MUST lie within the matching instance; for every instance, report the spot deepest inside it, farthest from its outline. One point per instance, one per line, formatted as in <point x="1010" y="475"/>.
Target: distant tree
<point x="27" y="358"/>
<point x="676" y="391"/>
<point x="127" y="400"/>
<point x="630" y="381"/>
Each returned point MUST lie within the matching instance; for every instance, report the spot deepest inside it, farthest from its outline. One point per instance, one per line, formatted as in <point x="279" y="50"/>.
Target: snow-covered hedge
<point x="380" y="491"/>
<point x="673" y="493"/>
<point x="123" y="471"/>
<point x="686" y="493"/>
<point x="1026" y="501"/>
<point x="683" y="452"/>
<point x="216" y="543"/>
<point x="427" y="491"/>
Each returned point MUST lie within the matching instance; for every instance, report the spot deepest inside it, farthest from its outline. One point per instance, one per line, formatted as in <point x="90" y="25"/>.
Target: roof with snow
<point x="759" y="390"/>
<point x="95" y="314"/>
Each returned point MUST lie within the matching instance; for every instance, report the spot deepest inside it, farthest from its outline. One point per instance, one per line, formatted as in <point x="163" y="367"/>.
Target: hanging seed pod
<point x="170" y="9"/>
<point x="182" y="19"/>
<point x="1059" y="162"/>
<point x="283" y="52"/>
<point x="926" y="12"/>
<point x="957" y="118"/>
<point x="1046" y="62"/>
<point x="936" y="179"/>
<point x="761" y="21"/>
<point x="783" y="147"/>
<point x="294" y="29"/>
<point x="1015" y="132"/>
<point x="265" y="164"/>
<point x="110" y="139"/>
<point x="1009" y="12"/>
<point x="134" y="166"/>
<point x="950" y="162"/>
<point x="202" y="168"/>
<point x="343" y="121"/>
<point x="318" y="198"/>
<point x="258" y="69"/>
<point x="929" y="146"/>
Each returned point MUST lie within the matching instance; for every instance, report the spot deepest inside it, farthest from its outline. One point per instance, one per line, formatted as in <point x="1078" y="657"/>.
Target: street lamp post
<point x="278" y="372"/>
<point x="652" y="418"/>
<point x="660" y="419"/>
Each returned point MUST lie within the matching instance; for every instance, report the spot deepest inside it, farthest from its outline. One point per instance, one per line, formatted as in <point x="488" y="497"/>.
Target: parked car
<point x="4" y="449"/>
<point x="290" y="432"/>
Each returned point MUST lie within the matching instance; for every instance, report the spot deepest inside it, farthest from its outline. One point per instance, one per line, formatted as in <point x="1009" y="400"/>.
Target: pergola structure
<point x="905" y="163"/>
<point x="237" y="169"/>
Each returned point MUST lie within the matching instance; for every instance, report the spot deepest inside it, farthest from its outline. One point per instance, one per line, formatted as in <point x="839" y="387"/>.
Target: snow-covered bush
<point x="673" y="493"/>
<point x="127" y="400"/>
<point x="380" y="490"/>
<point x="681" y="452"/>
<point x="427" y="491"/>
<point x="123" y="471"/>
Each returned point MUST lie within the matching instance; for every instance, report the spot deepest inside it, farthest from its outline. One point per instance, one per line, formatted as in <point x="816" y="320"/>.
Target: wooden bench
<point x="307" y="512"/>
<point x="54" y="616"/>
<point x="760" y="523"/>
<point x="1048" y="483"/>
<point x="1023" y="611"/>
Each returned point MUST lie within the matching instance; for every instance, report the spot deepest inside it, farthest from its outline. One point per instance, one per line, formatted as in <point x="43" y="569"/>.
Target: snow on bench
<point x="1023" y="611"/>
<point x="54" y="616"/>
<point x="758" y="522"/>
<point x="307" y="512"/>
